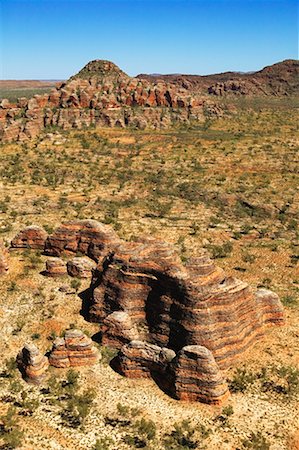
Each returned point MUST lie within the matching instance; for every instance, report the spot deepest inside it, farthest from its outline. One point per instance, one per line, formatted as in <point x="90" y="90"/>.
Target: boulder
<point x="55" y="267"/>
<point x="32" y="364"/>
<point x="80" y="267"/>
<point x="30" y="237"/>
<point x="74" y="349"/>
<point x="139" y="359"/>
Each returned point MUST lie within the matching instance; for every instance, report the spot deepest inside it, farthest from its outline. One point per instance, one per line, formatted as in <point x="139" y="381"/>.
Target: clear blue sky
<point x="53" y="39"/>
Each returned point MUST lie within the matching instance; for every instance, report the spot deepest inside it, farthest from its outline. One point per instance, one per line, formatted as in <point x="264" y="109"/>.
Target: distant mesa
<point x="102" y="95"/>
<point x="180" y="324"/>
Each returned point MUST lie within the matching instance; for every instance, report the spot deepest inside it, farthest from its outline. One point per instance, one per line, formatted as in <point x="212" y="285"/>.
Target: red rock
<point x="31" y="237"/>
<point x="32" y="364"/>
<point x="195" y="376"/>
<point x="74" y="349"/>
<point x="176" y="306"/>
<point x="80" y="267"/>
<point x="55" y="267"/>
<point x="87" y="237"/>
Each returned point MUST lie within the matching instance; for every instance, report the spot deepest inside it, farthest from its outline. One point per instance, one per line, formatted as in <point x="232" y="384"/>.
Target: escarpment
<point x="181" y="324"/>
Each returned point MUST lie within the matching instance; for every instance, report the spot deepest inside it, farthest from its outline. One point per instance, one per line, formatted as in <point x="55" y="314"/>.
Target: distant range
<point x="278" y="79"/>
<point x="102" y="95"/>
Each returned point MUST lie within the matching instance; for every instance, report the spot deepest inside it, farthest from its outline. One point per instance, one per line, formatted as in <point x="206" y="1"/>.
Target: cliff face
<point x="102" y="95"/>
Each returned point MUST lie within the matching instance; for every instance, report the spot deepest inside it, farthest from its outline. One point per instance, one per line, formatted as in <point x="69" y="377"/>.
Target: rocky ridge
<point x="179" y="323"/>
<point x="102" y="95"/>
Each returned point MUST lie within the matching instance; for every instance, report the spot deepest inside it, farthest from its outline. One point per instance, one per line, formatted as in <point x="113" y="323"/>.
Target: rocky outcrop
<point x="181" y="324"/>
<point x="191" y="375"/>
<point x="144" y="292"/>
<point x="80" y="267"/>
<point x="4" y="266"/>
<point x="87" y="237"/>
<point x="102" y="95"/>
<point x="139" y="359"/>
<point x="74" y="349"/>
<point x="194" y="375"/>
<point x="32" y="364"/>
<point x="31" y="237"/>
<point x="55" y="267"/>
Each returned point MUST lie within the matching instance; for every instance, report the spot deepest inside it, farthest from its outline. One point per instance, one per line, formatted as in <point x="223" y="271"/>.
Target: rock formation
<point x="191" y="375"/>
<point x="31" y="237"/>
<point x="87" y="237"/>
<point x="180" y="323"/>
<point x="103" y="95"/>
<point x="195" y="376"/>
<point x="171" y="305"/>
<point x="74" y="349"/>
<point x="55" y="267"/>
<point x="4" y="266"/>
<point x="80" y="267"/>
<point x="32" y="364"/>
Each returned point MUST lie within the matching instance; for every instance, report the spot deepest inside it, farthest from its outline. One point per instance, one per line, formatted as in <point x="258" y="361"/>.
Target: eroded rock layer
<point x="30" y="237"/>
<point x="103" y="95"/>
<point x="194" y="375"/>
<point x="74" y="349"/>
<point x="80" y="267"/>
<point x="144" y="292"/>
<point x="87" y="237"/>
<point x="55" y="267"/>
<point x="32" y="364"/>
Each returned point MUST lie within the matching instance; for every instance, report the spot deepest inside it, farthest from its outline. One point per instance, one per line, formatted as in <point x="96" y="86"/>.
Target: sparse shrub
<point x="103" y="443"/>
<point x="256" y="441"/>
<point x="181" y="438"/>
<point x="10" y="431"/>
<point x="220" y="251"/>
<point x="241" y="380"/>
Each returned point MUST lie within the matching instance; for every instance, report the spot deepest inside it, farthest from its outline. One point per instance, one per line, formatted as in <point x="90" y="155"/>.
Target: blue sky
<point x="53" y="39"/>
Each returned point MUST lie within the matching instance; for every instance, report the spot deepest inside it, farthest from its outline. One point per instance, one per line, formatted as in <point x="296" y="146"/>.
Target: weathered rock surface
<point x="74" y="349"/>
<point x="195" y="376"/>
<point x="171" y="305"/>
<point x="32" y="364"/>
<point x="139" y="359"/>
<point x="55" y="267"/>
<point x="80" y="267"/>
<point x="4" y="265"/>
<point x="102" y="95"/>
<point x="191" y="375"/>
<point x="178" y="323"/>
<point x="31" y="237"/>
<point x="87" y="237"/>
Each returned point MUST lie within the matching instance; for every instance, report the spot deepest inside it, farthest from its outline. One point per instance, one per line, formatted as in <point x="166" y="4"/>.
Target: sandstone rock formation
<point x="4" y="266"/>
<point x="55" y="267"/>
<point x="87" y="237"/>
<point x="74" y="349"/>
<point x="102" y="95"/>
<point x="32" y="364"/>
<point x="195" y="376"/>
<point x="171" y="305"/>
<point x="31" y="237"/>
<point x="191" y="375"/>
<point x="182" y="324"/>
<point x="80" y="267"/>
<point x="139" y="359"/>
